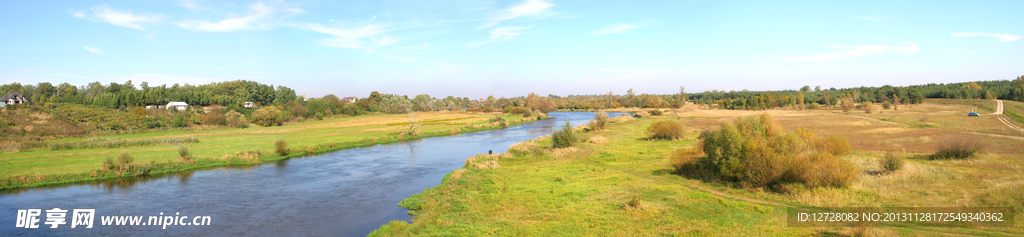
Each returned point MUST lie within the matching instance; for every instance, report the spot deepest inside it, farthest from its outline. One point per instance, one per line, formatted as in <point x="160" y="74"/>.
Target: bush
<point x="666" y="130"/>
<point x="958" y="146"/>
<point x="281" y="147"/>
<point x="600" y="119"/>
<point x="319" y="116"/>
<point x="527" y="113"/>
<point x="891" y="163"/>
<point x="868" y="107"/>
<point x="184" y="155"/>
<point x="564" y="137"/>
<point x="121" y="165"/>
<point x="501" y="121"/>
<point x="656" y="112"/>
<point x="215" y="117"/>
<point x="756" y="152"/>
<point x="268" y="116"/>
<point x="846" y="104"/>
<point x="886" y="105"/>
<point x="179" y="121"/>
<point x="236" y="119"/>
<point x="686" y="162"/>
<point x="813" y="106"/>
<point x="539" y="114"/>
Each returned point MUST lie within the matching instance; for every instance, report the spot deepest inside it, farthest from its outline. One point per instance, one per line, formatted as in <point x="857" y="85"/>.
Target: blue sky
<point x="511" y="48"/>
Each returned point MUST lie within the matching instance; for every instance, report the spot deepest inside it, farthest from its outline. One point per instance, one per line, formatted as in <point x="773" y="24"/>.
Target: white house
<point x="178" y="105"/>
<point x="349" y="99"/>
<point x="249" y="104"/>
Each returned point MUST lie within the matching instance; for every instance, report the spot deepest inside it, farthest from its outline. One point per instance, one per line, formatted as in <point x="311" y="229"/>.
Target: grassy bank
<point x="40" y="167"/>
<point x="620" y="183"/>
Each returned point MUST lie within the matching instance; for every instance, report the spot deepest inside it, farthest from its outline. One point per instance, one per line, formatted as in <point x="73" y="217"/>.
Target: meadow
<point x="619" y="183"/>
<point x="80" y="159"/>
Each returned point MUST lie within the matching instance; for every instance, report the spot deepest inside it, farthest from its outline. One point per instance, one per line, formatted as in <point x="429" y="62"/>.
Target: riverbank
<point x="620" y="183"/>
<point x="225" y="147"/>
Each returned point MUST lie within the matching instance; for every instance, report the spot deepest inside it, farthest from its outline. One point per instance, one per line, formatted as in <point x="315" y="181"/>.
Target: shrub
<point x="281" y="147"/>
<point x="564" y="137"/>
<point x="215" y="117"/>
<point x="517" y="110"/>
<point x="958" y="146"/>
<point x="179" y="121"/>
<point x="527" y="113"/>
<point x="121" y="165"/>
<point x="319" y="116"/>
<point x="686" y="162"/>
<point x="268" y="116"/>
<point x="756" y="152"/>
<point x="501" y="121"/>
<point x="656" y="112"/>
<point x="868" y="107"/>
<point x="236" y="119"/>
<point x="891" y="163"/>
<point x="886" y="105"/>
<point x="813" y="106"/>
<point x="600" y="119"/>
<point x="539" y="114"/>
<point x="846" y="104"/>
<point x="666" y="130"/>
<point x="184" y="155"/>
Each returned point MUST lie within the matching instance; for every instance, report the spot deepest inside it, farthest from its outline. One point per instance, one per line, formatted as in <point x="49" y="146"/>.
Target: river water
<point x="343" y="193"/>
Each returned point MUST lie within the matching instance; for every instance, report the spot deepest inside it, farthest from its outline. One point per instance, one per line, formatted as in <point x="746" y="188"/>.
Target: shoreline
<point x="154" y="168"/>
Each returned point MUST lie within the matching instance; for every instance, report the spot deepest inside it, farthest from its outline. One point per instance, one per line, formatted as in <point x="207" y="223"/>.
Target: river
<point x="343" y="193"/>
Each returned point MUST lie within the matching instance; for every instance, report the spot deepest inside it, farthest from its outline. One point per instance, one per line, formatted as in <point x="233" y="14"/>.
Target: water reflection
<point x="349" y="192"/>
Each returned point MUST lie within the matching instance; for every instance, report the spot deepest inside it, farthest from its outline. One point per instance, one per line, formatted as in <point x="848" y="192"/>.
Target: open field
<point x="303" y="138"/>
<point x="624" y="186"/>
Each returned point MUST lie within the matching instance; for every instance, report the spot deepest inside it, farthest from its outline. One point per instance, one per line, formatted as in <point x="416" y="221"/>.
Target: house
<point x="248" y="104"/>
<point x="15" y="97"/>
<point x="154" y="107"/>
<point x="177" y="105"/>
<point x="349" y="99"/>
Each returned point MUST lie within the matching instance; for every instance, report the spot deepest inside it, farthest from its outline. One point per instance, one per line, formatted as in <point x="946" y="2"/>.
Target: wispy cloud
<point x="957" y="50"/>
<point x="1001" y="36"/>
<point x="424" y="45"/>
<point x="502" y="34"/>
<point x="367" y="36"/>
<point x="528" y="8"/>
<point x="93" y="50"/>
<point x="104" y="13"/>
<point x="616" y="28"/>
<point x="871" y="18"/>
<point x="259" y="17"/>
<point x="190" y="5"/>
<point x="856" y="51"/>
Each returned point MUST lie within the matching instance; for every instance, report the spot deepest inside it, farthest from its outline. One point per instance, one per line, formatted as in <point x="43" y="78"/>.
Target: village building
<point x="177" y="105"/>
<point x="14" y="97"/>
<point x="349" y="99"/>
<point x="249" y="104"/>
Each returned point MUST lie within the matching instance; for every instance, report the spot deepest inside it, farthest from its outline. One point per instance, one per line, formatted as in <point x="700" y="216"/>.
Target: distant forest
<point x="233" y="94"/>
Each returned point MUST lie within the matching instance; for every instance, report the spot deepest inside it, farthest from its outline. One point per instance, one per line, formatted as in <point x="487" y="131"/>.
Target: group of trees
<point x="127" y="94"/>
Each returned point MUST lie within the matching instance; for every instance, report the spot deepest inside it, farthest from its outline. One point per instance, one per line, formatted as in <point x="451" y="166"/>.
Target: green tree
<point x="806" y="88"/>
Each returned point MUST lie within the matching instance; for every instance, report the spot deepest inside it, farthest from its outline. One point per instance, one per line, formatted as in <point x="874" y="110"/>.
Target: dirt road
<point x="1003" y="119"/>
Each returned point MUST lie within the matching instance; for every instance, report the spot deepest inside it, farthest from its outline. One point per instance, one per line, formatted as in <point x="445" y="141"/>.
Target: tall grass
<point x="100" y="142"/>
<point x="184" y="155"/>
<point x="957" y="146"/>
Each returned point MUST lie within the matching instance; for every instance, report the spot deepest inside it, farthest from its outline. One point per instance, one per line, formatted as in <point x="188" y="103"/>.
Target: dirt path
<point x="1003" y="119"/>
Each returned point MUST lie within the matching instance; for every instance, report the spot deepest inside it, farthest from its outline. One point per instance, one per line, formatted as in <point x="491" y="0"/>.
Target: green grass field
<point x="302" y="138"/>
<point x="624" y="187"/>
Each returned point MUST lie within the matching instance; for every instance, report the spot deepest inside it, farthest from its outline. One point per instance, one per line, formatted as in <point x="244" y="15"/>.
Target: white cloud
<point x="856" y="51"/>
<point x="93" y="50"/>
<point x="104" y="13"/>
<point x="615" y="29"/>
<point x="528" y="8"/>
<point x="1001" y="36"/>
<point x="957" y="50"/>
<point x="259" y="17"/>
<point x="871" y="18"/>
<point x="502" y="34"/>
